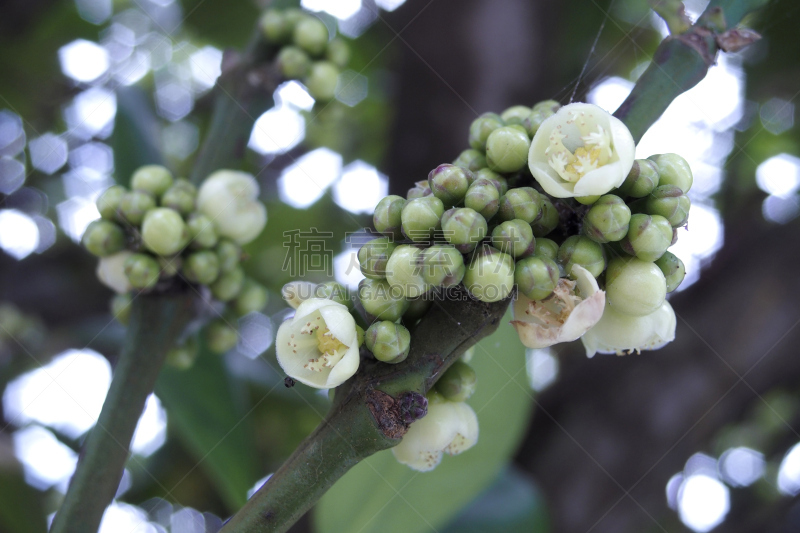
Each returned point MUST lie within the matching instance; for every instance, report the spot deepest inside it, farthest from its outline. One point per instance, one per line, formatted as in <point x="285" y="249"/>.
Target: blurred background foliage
<point x="699" y="435"/>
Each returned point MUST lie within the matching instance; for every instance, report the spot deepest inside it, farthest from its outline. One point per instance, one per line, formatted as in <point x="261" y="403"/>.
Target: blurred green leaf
<point x="21" y="507"/>
<point x="136" y="134"/>
<point x="511" y="505"/>
<point x="381" y="495"/>
<point x="207" y="409"/>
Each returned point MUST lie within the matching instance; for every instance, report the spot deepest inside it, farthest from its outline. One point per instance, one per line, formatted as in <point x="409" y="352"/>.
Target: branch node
<point x="387" y="413"/>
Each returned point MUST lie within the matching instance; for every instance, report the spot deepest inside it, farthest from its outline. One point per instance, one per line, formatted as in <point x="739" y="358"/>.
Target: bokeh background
<point x="700" y="435"/>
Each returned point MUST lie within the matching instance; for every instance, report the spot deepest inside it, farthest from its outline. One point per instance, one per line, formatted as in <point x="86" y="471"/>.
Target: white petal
<point x="344" y="369"/>
<point x="601" y="180"/>
<point x="314" y="304"/>
<point x="617" y="332"/>
<point x="111" y="272"/>
<point x="549" y="179"/>
<point x="624" y="146"/>
<point x="340" y="323"/>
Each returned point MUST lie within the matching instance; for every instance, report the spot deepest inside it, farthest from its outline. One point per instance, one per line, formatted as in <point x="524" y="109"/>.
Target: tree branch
<point x="156" y="322"/>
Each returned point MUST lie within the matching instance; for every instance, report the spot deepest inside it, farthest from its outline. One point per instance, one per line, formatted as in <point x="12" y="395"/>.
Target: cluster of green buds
<point x="308" y="52"/>
<point x="164" y="233"/>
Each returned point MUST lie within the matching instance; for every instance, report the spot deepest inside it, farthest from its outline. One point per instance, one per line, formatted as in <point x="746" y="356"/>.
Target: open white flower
<point x="230" y="199"/>
<point x="582" y="150"/>
<point x="620" y="333"/>
<point x="572" y="309"/>
<point x="449" y="427"/>
<point x="111" y="272"/>
<point x="319" y="345"/>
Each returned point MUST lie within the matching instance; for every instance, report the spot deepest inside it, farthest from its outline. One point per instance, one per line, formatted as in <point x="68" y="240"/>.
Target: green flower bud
<point x="648" y="237"/>
<point x="228" y="253"/>
<point x="103" y="238"/>
<point x="201" y="267"/>
<point x="417" y="307"/>
<point x="587" y="200"/>
<point x="380" y="300"/>
<point x="228" y="285"/>
<point x="184" y="355"/>
<point x="387" y="219"/>
<point x="641" y="180"/>
<point x="540" y="112"/>
<point x="153" y="179"/>
<point x="546" y="248"/>
<point x="322" y="80"/>
<point x="481" y="127"/>
<point x="121" y="308"/>
<point x="670" y="202"/>
<point x="634" y="287"/>
<point x="517" y="115"/>
<point x="169" y="265"/>
<point x="163" y="231"/>
<point x="134" y="205"/>
<point x="333" y="290"/>
<point x="293" y="62"/>
<point x="419" y="190"/>
<point x="500" y="182"/>
<point x="108" y="202"/>
<point x="420" y="217"/>
<point x="252" y="298"/>
<point x="449" y="183"/>
<point x="458" y="383"/>
<point x="490" y="275"/>
<point x="580" y="250"/>
<point x="673" y="170"/>
<point x="464" y="228"/>
<point x="186" y="185"/>
<point x="483" y="197"/>
<point x="142" y="271"/>
<point x="549" y="220"/>
<point x="274" y="26"/>
<point x="374" y="255"/>
<point x="338" y="52"/>
<point x="311" y="35"/>
<point x="673" y="269"/>
<point x="179" y="198"/>
<point x="202" y="231"/>
<point x="404" y="273"/>
<point x="514" y="237"/>
<point x="536" y="277"/>
<point x="442" y="266"/>
<point x="388" y="342"/>
<point x="607" y="220"/>
<point x="472" y="160"/>
<point x="220" y="336"/>
<point x="293" y="17"/>
<point x="523" y="203"/>
<point x="507" y="149"/>
<point x="360" y="333"/>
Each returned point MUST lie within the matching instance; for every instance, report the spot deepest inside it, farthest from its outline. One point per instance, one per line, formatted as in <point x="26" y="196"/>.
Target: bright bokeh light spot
<point x="19" y="234"/>
<point x="133" y="68"/>
<point x="74" y="215"/>
<point x="779" y="175"/>
<point x="120" y="517"/>
<point x="256" y="334"/>
<point x="66" y="394"/>
<point x="151" y="431"/>
<point x="351" y="88"/>
<point x="95" y="11"/>
<point x="95" y="156"/>
<point x="672" y="490"/>
<point x="187" y="520"/>
<point x="83" y="60"/>
<point x="277" y="131"/>
<point x="780" y="209"/>
<point x="48" y="152"/>
<point x="341" y="9"/>
<point x="389" y="5"/>
<point x="741" y="467"/>
<point x="542" y="367"/>
<point x="789" y="472"/>
<point x="12" y="174"/>
<point x="357" y="24"/>
<point x="610" y="93"/>
<point x="347" y="269"/>
<point x="174" y="100"/>
<point x="777" y="115"/>
<point x="703" y="502"/>
<point x="12" y="134"/>
<point x="258" y="484"/>
<point x="360" y="188"/>
<point x="294" y="94"/>
<point x="47" y="462"/>
<point x="92" y="113"/>
<point x="206" y="66"/>
<point x="304" y="182"/>
<point x="180" y="139"/>
<point x="699" y="241"/>
<point x="86" y="183"/>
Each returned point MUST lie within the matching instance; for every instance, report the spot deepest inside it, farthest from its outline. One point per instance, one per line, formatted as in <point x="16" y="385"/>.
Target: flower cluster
<point x="307" y="52"/>
<point x="163" y="232"/>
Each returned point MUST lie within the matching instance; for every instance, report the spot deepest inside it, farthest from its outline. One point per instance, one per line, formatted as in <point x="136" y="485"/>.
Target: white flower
<point x="449" y="427"/>
<point x="582" y="150"/>
<point x="111" y="272"/>
<point x="297" y="292"/>
<point x="230" y="199"/>
<point x="620" y="333"/>
<point x="572" y="309"/>
<point x="319" y="346"/>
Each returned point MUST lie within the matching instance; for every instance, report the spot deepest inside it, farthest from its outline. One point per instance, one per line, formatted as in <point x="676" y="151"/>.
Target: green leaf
<point x="380" y="495"/>
<point x="207" y="410"/>
<point x="21" y="510"/>
<point x="136" y="134"/>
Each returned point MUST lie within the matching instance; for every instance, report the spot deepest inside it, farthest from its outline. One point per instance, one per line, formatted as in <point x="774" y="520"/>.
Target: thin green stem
<point x="155" y="324"/>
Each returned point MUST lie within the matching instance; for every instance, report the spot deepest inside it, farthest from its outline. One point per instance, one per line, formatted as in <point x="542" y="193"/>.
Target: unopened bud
<point x="673" y="269"/>
<point x="514" y="237"/>
<point x="374" y="255"/>
<point x="481" y="127"/>
<point x="648" y="237"/>
<point x="641" y="180"/>
<point x="517" y="115"/>
<point x="523" y="203"/>
<point x="483" y="197"/>
<point x="546" y="248"/>
<point x="464" y="228"/>
<point x="274" y="26"/>
<point x="293" y="62"/>
<point x="322" y="80"/>
<point x="471" y="159"/>
<point x="228" y="253"/>
<point x="387" y="218"/>
<point x="108" y="202"/>
<point x="670" y="202"/>
<point x="179" y="198"/>
<point x="134" y="205"/>
<point x="228" y="285"/>
<point x="536" y="277"/>
<point x="404" y="273"/>
<point x="420" y="217"/>
<point x="419" y="190"/>
<point x="580" y="250"/>
<point x="458" y="383"/>
<point x="220" y="336"/>
<point x="607" y="220"/>
<point x="442" y="266"/>
<point x="500" y="182"/>
<point x="539" y="113"/>
<point x="388" y="342"/>
<point x="549" y="220"/>
<point x="507" y="149"/>
<point x="380" y="301"/>
<point x="103" y="238"/>
<point x="311" y="35"/>
<point x="673" y="170"/>
<point x="152" y="179"/>
<point x="164" y="232"/>
<point x="201" y="230"/>
<point x="338" y="52"/>
<point x="634" y="287"/>
<point x="490" y="275"/>
<point x="142" y="271"/>
<point x="252" y="298"/>
<point x="449" y="183"/>
<point x="201" y="267"/>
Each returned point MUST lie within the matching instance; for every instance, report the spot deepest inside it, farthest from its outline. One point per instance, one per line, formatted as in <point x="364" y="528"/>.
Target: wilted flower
<point x="572" y="309"/>
<point x="319" y="346"/>
<point x="449" y="427"/>
<point x="111" y="272"/>
<point x="230" y="199"/>
<point x="620" y="333"/>
<point x="582" y="150"/>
